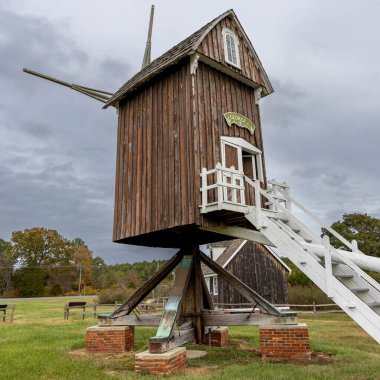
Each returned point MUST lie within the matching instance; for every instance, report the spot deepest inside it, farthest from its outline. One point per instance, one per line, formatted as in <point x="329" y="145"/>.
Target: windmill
<point x="190" y="170"/>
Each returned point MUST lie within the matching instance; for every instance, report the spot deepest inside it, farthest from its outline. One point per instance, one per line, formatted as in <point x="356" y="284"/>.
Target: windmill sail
<point x="146" y="59"/>
<point x="102" y="96"/>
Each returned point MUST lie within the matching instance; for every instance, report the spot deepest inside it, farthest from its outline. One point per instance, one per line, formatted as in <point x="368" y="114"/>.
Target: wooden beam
<point x="216" y="318"/>
<point x="147" y="287"/>
<point x="179" y="338"/>
<point x="240" y="233"/>
<point x="198" y="301"/>
<point x="131" y="320"/>
<point x="207" y="299"/>
<point x="242" y="288"/>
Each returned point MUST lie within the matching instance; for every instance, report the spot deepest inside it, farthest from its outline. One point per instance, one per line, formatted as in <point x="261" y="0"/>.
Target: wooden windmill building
<point x="172" y="124"/>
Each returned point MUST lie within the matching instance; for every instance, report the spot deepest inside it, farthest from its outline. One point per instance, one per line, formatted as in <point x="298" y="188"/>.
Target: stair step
<point x="278" y="217"/>
<point x="374" y="304"/>
<point x="344" y="275"/>
<point x="359" y="290"/>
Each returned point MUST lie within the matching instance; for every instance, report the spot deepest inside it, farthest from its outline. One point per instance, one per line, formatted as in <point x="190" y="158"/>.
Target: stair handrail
<point x="344" y="259"/>
<point x="321" y="223"/>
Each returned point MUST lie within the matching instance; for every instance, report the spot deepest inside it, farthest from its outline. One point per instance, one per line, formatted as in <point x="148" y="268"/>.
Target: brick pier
<point x="110" y="340"/>
<point x="165" y="363"/>
<point x="219" y="337"/>
<point x="285" y="343"/>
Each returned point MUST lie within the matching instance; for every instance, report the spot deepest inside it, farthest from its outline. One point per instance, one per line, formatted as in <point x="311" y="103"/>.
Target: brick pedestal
<point x="285" y="343"/>
<point x="110" y="340"/>
<point x="165" y="363"/>
<point x="219" y="337"/>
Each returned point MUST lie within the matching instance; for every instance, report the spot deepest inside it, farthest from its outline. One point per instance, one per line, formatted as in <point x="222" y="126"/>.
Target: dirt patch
<point x="201" y="371"/>
<point x="319" y="357"/>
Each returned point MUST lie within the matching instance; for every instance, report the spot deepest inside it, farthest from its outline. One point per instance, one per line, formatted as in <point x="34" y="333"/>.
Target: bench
<point x="82" y="305"/>
<point x="4" y="308"/>
<point x="74" y="305"/>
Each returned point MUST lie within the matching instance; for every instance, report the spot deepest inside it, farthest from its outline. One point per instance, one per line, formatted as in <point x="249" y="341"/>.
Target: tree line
<point x="40" y="262"/>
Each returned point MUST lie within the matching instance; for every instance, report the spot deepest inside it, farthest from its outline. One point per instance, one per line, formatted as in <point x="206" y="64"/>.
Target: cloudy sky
<point x="57" y="147"/>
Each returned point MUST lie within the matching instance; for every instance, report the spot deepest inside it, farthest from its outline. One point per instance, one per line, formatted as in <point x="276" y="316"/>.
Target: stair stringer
<point x="351" y="304"/>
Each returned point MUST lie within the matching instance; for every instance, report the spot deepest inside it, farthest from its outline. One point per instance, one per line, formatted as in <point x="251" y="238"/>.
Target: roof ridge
<point x="187" y="45"/>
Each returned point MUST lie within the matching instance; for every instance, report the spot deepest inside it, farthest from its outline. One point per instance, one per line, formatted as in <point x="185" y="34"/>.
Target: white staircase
<point x="338" y="273"/>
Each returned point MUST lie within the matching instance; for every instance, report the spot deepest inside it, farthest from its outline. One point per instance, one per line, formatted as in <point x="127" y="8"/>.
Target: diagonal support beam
<point x="242" y="288"/>
<point x="160" y="342"/>
<point x="147" y="287"/>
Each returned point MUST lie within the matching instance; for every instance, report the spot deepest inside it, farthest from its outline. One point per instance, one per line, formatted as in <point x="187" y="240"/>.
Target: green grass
<point x="41" y="345"/>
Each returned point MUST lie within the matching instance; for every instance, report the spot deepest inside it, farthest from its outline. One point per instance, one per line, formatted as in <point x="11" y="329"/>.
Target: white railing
<point x="226" y="185"/>
<point x="328" y="249"/>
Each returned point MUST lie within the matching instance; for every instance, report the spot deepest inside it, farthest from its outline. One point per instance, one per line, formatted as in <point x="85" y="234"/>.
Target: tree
<point x="41" y="247"/>
<point x="363" y="228"/>
<point x="48" y="263"/>
<point x="83" y="262"/>
<point x="7" y="262"/>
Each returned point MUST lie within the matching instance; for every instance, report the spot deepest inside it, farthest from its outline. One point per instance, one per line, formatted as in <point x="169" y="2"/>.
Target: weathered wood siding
<point x="257" y="268"/>
<point x="216" y="94"/>
<point x="155" y="170"/>
<point x="213" y="47"/>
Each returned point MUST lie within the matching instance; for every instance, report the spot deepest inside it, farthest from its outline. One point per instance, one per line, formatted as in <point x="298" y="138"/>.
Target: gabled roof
<point x="232" y="249"/>
<point x="187" y="46"/>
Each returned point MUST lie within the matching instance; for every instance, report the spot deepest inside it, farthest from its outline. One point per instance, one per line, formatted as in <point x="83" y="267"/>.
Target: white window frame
<point x="215" y="285"/>
<point x="229" y="32"/>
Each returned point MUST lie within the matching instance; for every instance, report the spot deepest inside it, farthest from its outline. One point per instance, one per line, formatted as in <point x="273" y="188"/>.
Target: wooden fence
<point x="313" y="308"/>
<point x="73" y="308"/>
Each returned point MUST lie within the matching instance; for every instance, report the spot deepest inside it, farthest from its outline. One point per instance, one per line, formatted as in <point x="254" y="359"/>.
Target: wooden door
<point x="232" y="159"/>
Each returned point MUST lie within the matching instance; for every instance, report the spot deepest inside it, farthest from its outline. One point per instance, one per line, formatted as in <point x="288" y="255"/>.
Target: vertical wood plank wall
<point x="257" y="268"/>
<point x="217" y="94"/>
<point x="212" y="46"/>
<point x="154" y="170"/>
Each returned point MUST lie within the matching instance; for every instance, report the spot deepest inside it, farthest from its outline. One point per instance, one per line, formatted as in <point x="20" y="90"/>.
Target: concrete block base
<point x="165" y="363"/>
<point x="110" y="340"/>
<point x="285" y="343"/>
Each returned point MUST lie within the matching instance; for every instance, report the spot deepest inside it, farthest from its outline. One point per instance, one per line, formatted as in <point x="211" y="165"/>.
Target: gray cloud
<point x="57" y="147"/>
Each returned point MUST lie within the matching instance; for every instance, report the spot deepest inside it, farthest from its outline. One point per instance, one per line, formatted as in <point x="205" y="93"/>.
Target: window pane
<point x="231" y="49"/>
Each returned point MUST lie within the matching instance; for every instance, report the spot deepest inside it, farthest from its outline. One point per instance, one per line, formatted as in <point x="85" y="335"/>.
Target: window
<point x="215" y="286"/>
<point x="231" y="48"/>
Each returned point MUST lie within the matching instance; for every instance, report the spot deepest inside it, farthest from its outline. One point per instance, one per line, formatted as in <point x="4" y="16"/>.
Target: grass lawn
<point x="41" y="345"/>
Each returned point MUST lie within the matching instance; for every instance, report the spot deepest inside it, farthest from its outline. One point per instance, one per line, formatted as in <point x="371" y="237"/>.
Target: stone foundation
<point x="165" y="363"/>
<point x="110" y="340"/>
<point x="285" y="343"/>
<point x="219" y="337"/>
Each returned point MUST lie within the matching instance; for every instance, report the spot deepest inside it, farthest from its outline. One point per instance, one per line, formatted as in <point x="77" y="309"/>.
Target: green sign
<point x="239" y="120"/>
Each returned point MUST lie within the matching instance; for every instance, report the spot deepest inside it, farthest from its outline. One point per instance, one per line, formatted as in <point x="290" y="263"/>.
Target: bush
<point x="306" y="295"/>
<point x="115" y="294"/>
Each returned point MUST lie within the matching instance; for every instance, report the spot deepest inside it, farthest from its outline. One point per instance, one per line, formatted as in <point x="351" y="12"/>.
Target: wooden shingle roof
<point x="172" y="56"/>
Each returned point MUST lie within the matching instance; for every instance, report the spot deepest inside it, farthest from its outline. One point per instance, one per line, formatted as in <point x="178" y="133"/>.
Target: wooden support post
<point x="13" y="312"/>
<point x="198" y="295"/>
<point x="146" y="288"/>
